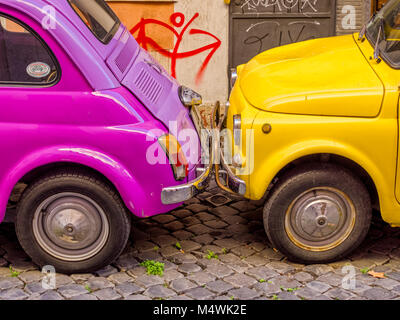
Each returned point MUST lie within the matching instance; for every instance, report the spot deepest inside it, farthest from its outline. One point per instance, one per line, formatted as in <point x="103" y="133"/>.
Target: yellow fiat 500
<point x="315" y="129"/>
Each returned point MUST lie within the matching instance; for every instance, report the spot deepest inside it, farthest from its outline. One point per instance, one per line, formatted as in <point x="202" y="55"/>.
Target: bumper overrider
<point x="225" y="179"/>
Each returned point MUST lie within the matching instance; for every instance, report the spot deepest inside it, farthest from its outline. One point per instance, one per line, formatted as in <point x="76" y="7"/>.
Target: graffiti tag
<point x="178" y="21"/>
<point x="281" y="5"/>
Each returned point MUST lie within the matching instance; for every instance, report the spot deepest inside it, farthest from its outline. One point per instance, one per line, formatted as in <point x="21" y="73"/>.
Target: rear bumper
<point x="181" y="193"/>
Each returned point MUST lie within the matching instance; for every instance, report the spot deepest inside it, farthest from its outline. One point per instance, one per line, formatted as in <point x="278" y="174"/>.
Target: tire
<point x="72" y="221"/>
<point x="317" y="213"/>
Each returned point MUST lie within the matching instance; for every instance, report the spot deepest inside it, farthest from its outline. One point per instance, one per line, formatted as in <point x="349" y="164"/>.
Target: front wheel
<point x="72" y="221"/>
<point x="318" y="213"/>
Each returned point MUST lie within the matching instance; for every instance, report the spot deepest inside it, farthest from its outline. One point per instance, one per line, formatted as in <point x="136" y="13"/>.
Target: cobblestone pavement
<point x="224" y="255"/>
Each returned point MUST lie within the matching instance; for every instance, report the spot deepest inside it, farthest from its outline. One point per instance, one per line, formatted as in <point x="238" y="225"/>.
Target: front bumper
<point x="181" y="193"/>
<point x="224" y="176"/>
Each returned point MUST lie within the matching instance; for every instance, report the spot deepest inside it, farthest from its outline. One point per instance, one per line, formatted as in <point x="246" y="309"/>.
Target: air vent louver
<point x="148" y="86"/>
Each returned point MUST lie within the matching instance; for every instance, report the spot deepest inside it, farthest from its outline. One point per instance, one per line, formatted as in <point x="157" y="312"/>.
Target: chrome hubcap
<point x="320" y="219"/>
<point x="70" y="227"/>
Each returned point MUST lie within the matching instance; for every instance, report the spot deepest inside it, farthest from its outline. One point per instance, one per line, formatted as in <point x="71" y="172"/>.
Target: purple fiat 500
<point x="94" y="127"/>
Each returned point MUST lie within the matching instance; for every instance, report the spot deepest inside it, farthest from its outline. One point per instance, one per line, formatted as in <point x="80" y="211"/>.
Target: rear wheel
<point x="318" y="213"/>
<point x="72" y="221"/>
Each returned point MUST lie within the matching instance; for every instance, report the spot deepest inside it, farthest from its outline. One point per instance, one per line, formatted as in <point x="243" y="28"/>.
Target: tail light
<point x="176" y="157"/>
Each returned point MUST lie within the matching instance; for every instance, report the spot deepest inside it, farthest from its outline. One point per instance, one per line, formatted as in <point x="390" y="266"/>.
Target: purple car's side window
<point x="24" y="58"/>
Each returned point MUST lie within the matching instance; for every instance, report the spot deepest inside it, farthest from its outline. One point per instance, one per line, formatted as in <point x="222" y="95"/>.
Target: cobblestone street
<point x="214" y="247"/>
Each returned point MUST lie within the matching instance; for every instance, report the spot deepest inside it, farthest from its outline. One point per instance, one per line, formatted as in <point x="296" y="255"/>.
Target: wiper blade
<point x="381" y="34"/>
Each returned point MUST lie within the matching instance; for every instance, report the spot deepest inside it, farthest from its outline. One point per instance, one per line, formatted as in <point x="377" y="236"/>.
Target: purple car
<point x="94" y="127"/>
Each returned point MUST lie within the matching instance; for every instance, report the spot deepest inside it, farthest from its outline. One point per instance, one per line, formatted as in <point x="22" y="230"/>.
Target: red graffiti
<point x="177" y="21"/>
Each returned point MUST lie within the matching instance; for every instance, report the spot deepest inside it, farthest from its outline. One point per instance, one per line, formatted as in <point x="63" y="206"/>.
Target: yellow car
<point x="315" y="129"/>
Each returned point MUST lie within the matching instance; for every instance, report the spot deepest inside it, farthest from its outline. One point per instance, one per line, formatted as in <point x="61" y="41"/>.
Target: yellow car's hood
<point x="327" y="76"/>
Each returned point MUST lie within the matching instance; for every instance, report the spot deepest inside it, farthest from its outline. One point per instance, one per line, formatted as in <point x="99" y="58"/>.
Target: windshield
<point x="385" y="27"/>
<point x="98" y="16"/>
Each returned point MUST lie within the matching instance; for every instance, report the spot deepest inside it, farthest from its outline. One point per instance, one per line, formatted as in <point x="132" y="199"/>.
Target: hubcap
<point x="320" y="219"/>
<point x="70" y="226"/>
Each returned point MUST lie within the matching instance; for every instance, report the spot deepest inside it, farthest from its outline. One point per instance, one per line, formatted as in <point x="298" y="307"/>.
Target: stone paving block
<point x="35" y="288"/>
<point x="303" y="276"/>
<point x="106" y="271"/>
<point x="169" y="251"/>
<point x="159" y="292"/>
<point x="271" y="254"/>
<point x="85" y="297"/>
<point x="149" y="280"/>
<point x="31" y="276"/>
<point x="268" y="288"/>
<point x="126" y="261"/>
<point x="183" y="235"/>
<point x="200" y="293"/>
<point x="99" y="283"/>
<point x="183" y="258"/>
<point x="164" y="218"/>
<point x="339" y="294"/>
<point x="244" y="293"/>
<point x="203" y="239"/>
<point x="378" y="294"/>
<point x="181" y="214"/>
<point x="197" y="208"/>
<point x="182" y="297"/>
<point x="127" y="288"/>
<point x="165" y="240"/>
<point x="107" y="294"/>
<point x="174" y="226"/>
<point x="204" y="216"/>
<point x="285" y="282"/>
<point x="240" y="280"/>
<point x="119" y="277"/>
<point x="318" y="286"/>
<point x="331" y="278"/>
<point x="318" y="269"/>
<point x="10" y="282"/>
<point x="280" y="267"/>
<point x="216" y="224"/>
<point x="81" y="277"/>
<point x="284" y="295"/>
<point x="182" y="285"/>
<point x="137" y="297"/>
<point x="239" y="267"/>
<point x="243" y="206"/>
<point x="387" y="284"/>
<point x="50" y="295"/>
<point x="190" y="221"/>
<point x="240" y="229"/>
<point x="228" y="243"/>
<point x="188" y="245"/>
<point x="13" y="294"/>
<point x="219" y="271"/>
<point x="219" y="286"/>
<point x="243" y="251"/>
<point x="223" y="211"/>
<point x="262" y="273"/>
<point x="256" y="260"/>
<point x="188" y="268"/>
<point x="170" y="275"/>
<point x="199" y="229"/>
<point x="71" y="290"/>
<point x="201" y="278"/>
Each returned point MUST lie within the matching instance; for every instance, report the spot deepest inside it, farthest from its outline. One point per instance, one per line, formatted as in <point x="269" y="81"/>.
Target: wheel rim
<point x="320" y="219"/>
<point x="70" y="226"/>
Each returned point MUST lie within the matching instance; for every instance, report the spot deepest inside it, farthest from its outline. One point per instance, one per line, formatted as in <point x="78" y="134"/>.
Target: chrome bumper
<point x="224" y="176"/>
<point x="181" y="193"/>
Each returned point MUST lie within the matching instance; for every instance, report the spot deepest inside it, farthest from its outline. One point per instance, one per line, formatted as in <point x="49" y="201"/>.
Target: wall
<point x="194" y="44"/>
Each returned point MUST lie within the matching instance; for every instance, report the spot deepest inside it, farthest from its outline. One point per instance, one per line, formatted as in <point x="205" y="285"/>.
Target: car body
<point x="94" y="103"/>
<point x="321" y="106"/>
